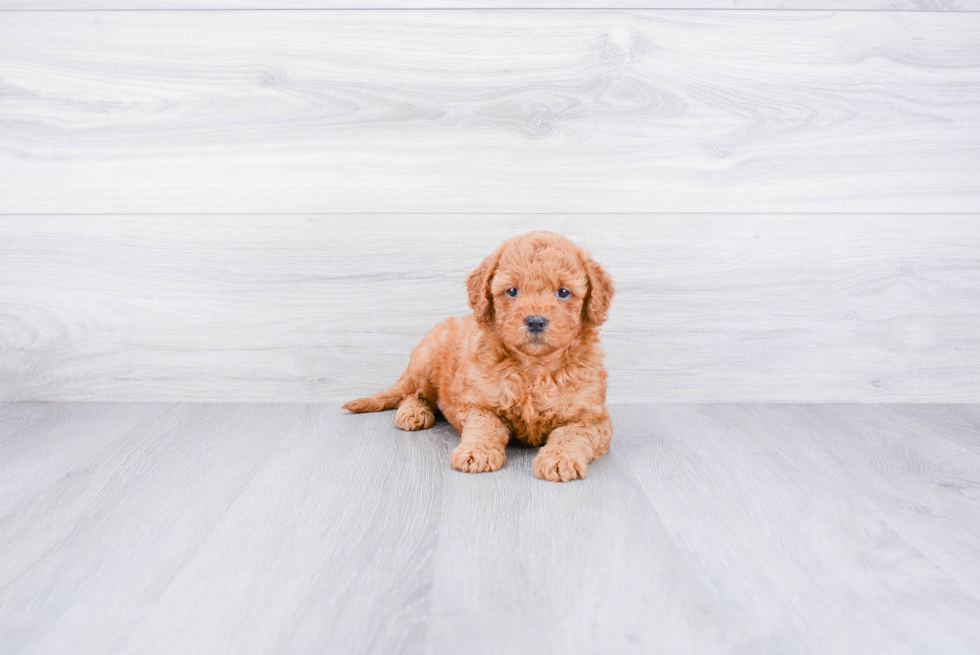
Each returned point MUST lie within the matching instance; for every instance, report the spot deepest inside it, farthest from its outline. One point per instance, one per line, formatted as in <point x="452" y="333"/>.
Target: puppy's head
<point x="538" y="291"/>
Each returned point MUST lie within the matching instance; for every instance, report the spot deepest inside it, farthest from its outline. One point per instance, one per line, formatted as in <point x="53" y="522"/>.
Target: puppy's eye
<point x="512" y="292"/>
<point x="563" y="293"/>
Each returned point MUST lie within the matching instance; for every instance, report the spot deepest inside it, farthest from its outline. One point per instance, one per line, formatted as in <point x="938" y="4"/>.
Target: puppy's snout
<point x="536" y="323"/>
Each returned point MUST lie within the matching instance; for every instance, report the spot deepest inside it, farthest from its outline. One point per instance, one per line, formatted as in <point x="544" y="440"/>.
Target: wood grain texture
<point x="192" y="506"/>
<point x="792" y="5"/>
<point x="339" y="530"/>
<point x="528" y="566"/>
<point x="71" y="433"/>
<point x="513" y="111"/>
<point x="311" y="308"/>
<point x="800" y="517"/>
<point x="299" y="528"/>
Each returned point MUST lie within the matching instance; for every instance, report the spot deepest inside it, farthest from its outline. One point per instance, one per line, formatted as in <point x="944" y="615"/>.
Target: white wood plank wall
<point x="786" y="5"/>
<point x="276" y="205"/>
<point x="306" y="308"/>
<point x="490" y="111"/>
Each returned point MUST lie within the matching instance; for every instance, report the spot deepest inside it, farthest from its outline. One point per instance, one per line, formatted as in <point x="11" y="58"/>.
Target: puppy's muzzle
<point x="535" y="324"/>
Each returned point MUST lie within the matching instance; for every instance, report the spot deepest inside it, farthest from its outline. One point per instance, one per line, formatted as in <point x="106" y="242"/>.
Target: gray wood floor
<point x="299" y="528"/>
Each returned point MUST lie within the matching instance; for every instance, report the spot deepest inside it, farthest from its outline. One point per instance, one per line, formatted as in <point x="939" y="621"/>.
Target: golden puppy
<point x="526" y="363"/>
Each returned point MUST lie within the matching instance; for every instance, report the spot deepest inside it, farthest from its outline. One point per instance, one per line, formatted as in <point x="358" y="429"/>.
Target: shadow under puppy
<point x="526" y="363"/>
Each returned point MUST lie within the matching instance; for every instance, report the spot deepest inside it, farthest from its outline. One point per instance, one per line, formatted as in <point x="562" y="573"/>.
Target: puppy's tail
<point x="390" y="398"/>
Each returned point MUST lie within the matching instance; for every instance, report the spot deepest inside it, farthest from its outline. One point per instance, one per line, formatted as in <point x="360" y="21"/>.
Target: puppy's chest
<point x="533" y="406"/>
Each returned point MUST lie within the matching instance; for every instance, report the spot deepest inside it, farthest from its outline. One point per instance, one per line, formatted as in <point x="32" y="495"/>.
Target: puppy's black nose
<point x="536" y="323"/>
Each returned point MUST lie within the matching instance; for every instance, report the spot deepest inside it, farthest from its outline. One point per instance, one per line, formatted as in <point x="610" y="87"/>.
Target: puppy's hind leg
<point x="415" y="414"/>
<point x="417" y="410"/>
<point x="417" y="387"/>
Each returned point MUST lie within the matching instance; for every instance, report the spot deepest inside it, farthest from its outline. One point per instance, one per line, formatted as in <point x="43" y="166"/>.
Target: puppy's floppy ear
<point x="478" y="287"/>
<point x="600" y="291"/>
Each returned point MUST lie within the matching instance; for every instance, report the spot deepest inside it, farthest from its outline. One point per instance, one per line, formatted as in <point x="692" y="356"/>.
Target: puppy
<point x="525" y="364"/>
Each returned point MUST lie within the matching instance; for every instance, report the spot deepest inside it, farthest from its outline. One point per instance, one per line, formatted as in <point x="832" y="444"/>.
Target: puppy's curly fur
<point x="498" y="373"/>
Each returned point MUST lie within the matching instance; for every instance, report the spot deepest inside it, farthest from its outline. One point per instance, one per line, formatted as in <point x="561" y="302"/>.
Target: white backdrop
<point x="276" y="205"/>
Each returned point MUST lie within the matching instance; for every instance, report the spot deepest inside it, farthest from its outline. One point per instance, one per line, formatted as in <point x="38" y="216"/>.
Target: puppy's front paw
<point x="477" y="457"/>
<point x="560" y="465"/>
